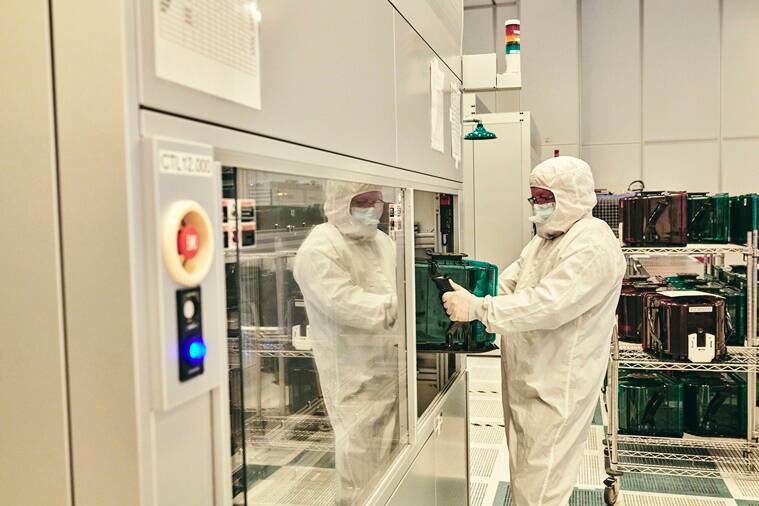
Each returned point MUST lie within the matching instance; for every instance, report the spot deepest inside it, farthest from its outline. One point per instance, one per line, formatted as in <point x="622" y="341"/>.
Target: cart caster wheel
<point x="611" y="492"/>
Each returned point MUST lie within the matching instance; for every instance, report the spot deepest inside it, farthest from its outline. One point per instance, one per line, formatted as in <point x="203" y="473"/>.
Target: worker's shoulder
<point x="592" y="232"/>
<point x="319" y="236"/>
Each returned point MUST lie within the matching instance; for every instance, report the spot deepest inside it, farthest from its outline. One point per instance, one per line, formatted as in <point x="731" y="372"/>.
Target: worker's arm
<point x="577" y="284"/>
<point x="329" y="287"/>
<point x="507" y="281"/>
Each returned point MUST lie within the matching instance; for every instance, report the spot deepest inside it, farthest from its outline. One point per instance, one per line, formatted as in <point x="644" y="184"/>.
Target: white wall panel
<point x="692" y="166"/>
<point x="550" y="88"/>
<point x="681" y="69"/>
<point x="478" y="31"/>
<point x="547" y="151"/>
<point x="34" y="440"/>
<point x="740" y="166"/>
<point x="740" y="72"/>
<point x="614" y="165"/>
<point x="610" y="67"/>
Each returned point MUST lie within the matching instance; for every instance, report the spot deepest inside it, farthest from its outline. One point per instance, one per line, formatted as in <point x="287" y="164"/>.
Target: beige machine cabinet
<point x="496" y="174"/>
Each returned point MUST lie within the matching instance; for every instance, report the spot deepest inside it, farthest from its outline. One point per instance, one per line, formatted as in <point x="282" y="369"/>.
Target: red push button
<point x="188" y="241"/>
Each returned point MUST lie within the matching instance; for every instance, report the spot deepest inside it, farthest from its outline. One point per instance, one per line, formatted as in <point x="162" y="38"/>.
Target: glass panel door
<point x="317" y="348"/>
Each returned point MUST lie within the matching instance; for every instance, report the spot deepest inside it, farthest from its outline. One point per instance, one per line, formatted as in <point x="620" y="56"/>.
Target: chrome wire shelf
<point x="689" y="442"/>
<point x="689" y="472"/>
<point x="740" y="359"/>
<point x="688" y="456"/>
<point x="269" y="343"/>
<point x="699" y="458"/>
<point x="298" y="431"/>
<point x="691" y="249"/>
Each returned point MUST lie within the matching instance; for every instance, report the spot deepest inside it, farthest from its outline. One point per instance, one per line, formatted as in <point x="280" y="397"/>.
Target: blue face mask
<point x="542" y="212"/>
<point x="368" y="216"/>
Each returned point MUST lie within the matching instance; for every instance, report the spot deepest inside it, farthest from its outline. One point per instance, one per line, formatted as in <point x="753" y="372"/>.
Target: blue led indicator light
<point x="196" y="351"/>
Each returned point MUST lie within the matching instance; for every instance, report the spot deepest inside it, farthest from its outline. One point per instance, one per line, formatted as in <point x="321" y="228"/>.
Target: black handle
<point x="709" y="424"/>
<point x="649" y="232"/>
<point x="650" y="412"/>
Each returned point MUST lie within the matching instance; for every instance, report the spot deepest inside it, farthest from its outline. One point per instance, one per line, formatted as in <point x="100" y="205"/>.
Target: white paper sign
<point x="211" y="46"/>
<point x="455" y="119"/>
<point x="688" y="293"/>
<point x="437" y="115"/>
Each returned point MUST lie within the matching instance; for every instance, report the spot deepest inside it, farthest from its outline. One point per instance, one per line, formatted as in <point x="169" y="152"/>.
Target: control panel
<point x="185" y="268"/>
<point x="191" y="348"/>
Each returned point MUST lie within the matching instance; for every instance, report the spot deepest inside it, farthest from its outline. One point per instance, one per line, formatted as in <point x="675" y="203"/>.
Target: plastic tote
<point x="715" y="404"/>
<point x="655" y="219"/>
<point x="685" y="326"/>
<point x="434" y="332"/>
<point x="708" y="218"/>
<point x="650" y="404"/>
<point x="744" y="216"/>
<point x="630" y="310"/>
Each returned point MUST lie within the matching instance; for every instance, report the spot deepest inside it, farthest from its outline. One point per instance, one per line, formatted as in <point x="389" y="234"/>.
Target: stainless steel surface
<point x="309" y="78"/>
<point x="439" y="474"/>
<point x="451" y="450"/>
<point x="412" y="82"/>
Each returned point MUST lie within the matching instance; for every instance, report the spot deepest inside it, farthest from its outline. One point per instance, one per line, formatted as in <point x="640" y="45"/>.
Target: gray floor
<point x="489" y="461"/>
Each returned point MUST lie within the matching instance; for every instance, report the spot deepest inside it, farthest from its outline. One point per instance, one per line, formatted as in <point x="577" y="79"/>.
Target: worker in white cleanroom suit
<point x="555" y="313"/>
<point x="346" y="269"/>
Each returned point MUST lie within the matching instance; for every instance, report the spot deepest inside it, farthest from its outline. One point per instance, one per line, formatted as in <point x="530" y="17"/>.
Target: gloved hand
<point x="457" y="303"/>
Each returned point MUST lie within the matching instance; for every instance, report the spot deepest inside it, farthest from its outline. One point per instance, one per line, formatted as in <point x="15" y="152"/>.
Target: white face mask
<point x="368" y="216"/>
<point x="542" y="212"/>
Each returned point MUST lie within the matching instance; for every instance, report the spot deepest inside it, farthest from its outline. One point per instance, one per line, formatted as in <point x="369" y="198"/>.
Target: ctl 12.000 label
<point x="186" y="164"/>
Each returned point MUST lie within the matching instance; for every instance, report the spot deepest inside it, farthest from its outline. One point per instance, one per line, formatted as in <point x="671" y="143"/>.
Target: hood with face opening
<point x="337" y="208"/>
<point x="571" y="182"/>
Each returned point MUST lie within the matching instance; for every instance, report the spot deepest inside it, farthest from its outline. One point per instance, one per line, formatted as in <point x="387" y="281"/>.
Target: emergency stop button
<point x="187" y="242"/>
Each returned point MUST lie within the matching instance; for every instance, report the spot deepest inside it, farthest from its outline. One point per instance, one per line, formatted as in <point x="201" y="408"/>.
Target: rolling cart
<point x="710" y="457"/>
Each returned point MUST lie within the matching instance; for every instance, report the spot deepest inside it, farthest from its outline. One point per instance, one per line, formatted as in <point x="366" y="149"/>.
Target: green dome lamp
<point x="479" y="133"/>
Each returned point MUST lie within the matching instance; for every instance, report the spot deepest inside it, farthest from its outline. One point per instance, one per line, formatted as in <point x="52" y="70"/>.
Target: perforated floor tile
<point x="482" y="461"/>
<point x="482" y="407"/>
<point x="705" y="487"/>
<point x="639" y="499"/>
<point x="477" y="493"/>
<point x="598" y="418"/>
<point x="487" y="434"/>
<point x="586" y="498"/>
<point x="740" y="502"/>
<point x="502" y="494"/>
<point x="490" y="388"/>
<point x="579" y="497"/>
<point x="485" y="374"/>
<point x="595" y="440"/>
<point x="744" y="489"/>
<point x="592" y="473"/>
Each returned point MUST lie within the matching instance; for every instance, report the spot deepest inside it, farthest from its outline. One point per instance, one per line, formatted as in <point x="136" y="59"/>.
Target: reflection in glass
<point x="316" y="326"/>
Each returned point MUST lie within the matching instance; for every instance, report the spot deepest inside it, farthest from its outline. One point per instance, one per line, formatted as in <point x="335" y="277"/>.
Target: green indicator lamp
<point x="479" y="133"/>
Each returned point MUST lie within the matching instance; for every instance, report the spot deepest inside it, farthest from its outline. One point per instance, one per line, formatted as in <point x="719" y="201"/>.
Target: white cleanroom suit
<point x="347" y="273"/>
<point x="555" y="313"/>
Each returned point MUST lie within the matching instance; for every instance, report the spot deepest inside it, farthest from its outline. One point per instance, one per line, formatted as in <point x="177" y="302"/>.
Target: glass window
<point x="317" y="349"/>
